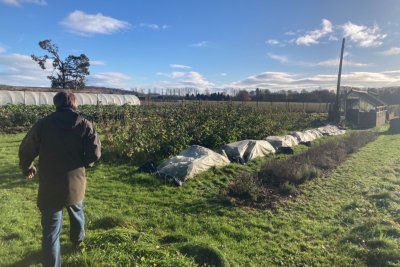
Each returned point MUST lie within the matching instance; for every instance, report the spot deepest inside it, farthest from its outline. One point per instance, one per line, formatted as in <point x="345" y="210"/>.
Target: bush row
<point x="155" y="133"/>
<point x="20" y="117"/>
<point x="282" y="176"/>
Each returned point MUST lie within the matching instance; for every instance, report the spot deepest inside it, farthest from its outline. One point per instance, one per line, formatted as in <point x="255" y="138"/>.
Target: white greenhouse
<point x="46" y="98"/>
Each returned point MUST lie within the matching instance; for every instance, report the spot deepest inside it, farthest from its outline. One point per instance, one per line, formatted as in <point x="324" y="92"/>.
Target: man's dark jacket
<point x="66" y="143"/>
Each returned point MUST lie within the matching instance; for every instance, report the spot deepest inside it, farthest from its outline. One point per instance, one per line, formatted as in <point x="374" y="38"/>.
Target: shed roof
<point x="368" y="98"/>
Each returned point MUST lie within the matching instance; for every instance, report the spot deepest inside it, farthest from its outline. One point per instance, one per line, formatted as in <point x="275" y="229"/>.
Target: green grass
<point x="350" y="218"/>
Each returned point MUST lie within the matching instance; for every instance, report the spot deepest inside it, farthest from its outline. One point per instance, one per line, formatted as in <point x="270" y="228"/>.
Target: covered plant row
<point x="197" y="159"/>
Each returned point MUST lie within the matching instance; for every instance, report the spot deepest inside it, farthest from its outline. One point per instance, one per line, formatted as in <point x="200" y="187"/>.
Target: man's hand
<point x="30" y="174"/>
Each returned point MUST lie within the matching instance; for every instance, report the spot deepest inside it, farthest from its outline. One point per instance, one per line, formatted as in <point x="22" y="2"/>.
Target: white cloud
<point x="332" y="38"/>
<point x="154" y="26"/>
<point x="200" y="44"/>
<point x="97" y="63"/>
<point x="184" y="79"/>
<point x="362" y="35"/>
<point x="287" y="81"/>
<point x="223" y="74"/>
<point x="79" y="22"/>
<point x="173" y="75"/>
<point x="392" y="51"/>
<point x="2" y="49"/>
<point x="335" y="62"/>
<point x="179" y="66"/>
<point x="21" y="70"/>
<point x="313" y="37"/>
<point x="290" y="33"/>
<point x="195" y="79"/>
<point x="324" y="63"/>
<point x="272" y="42"/>
<point x="20" y="2"/>
<point x="163" y="74"/>
<point x="177" y="74"/>
<point x="280" y="58"/>
<point x="266" y="80"/>
<point x="109" y="79"/>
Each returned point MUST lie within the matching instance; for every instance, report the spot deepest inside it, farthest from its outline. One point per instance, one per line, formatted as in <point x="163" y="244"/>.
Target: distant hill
<point x="88" y="89"/>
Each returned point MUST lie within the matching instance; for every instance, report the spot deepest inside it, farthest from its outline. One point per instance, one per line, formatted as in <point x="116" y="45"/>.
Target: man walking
<point x="66" y="144"/>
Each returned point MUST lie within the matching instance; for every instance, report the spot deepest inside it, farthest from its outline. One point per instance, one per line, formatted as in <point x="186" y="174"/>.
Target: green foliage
<point x="295" y="171"/>
<point x="287" y="188"/>
<point x="246" y="186"/>
<point x="157" y="132"/>
<point x="21" y="117"/>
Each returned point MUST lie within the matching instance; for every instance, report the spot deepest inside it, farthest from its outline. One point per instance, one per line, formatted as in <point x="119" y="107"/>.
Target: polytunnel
<point x="46" y="98"/>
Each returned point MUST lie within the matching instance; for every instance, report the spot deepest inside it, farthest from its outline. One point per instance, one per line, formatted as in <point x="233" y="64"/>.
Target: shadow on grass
<point x="11" y="177"/>
<point x="376" y="242"/>
<point x="204" y="254"/>
<point x="33" y="257"/>
<point x="145" y="180"/>
<point x="213" y="204"/>
<point x="148" y="180"/>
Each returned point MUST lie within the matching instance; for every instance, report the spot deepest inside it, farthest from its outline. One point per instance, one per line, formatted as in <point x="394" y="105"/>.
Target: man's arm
<point x="91" y="146"/>
<point x="28" y="150"/>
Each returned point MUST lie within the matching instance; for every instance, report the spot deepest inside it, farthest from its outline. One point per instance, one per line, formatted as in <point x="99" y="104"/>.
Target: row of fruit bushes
<point x="153" y="133"/>
<point x="14" y="118"/>
<point x="158" y="132"/>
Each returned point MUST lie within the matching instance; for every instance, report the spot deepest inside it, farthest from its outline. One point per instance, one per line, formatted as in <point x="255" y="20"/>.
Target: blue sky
<point x="207" y="44"/>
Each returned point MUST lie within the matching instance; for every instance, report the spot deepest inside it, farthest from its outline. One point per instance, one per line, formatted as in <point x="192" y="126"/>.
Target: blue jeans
<point x="51" y="226"/>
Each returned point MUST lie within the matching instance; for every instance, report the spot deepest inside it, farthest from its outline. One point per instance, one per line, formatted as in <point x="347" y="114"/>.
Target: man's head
<point x="65" y="99"/>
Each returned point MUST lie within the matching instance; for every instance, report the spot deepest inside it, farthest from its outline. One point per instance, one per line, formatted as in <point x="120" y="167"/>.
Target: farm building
<point x="365" y="110"/>
<point x="46" y="98"/>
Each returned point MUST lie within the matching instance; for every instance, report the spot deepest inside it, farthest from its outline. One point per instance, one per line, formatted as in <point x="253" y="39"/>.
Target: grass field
<point x="349" y="218"/>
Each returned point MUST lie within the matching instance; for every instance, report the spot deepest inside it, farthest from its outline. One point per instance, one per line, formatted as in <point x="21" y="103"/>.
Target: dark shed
<point x="365" y="110"/>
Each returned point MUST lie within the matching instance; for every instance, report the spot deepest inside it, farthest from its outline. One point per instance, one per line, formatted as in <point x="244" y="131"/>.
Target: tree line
<point x="317" y="96"/>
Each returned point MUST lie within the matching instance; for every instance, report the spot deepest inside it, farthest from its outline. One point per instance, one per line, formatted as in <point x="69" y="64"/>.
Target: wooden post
<point x="337" y="106"/>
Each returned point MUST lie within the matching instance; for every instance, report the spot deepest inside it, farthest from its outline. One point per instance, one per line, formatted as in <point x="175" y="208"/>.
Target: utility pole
<point x="337" y="105"/>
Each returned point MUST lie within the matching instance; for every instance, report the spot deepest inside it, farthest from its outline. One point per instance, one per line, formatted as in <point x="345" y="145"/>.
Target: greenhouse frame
<point x="46" y="98"/>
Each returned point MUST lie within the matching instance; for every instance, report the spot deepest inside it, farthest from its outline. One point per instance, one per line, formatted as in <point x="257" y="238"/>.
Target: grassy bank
<point x="350" y="218"/>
